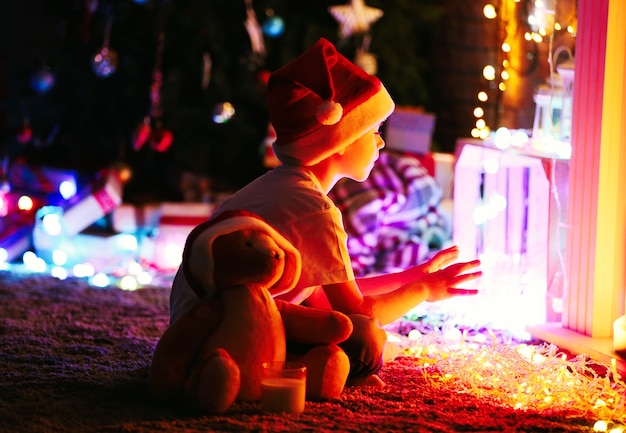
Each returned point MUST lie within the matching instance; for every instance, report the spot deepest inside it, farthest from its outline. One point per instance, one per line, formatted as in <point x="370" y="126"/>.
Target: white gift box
<point x="175" y="223"/>
<point x="105" y="252"/>
<point x="105" y="196"/>
<point x="409" y="130"/>
<point x="133" y="218"/>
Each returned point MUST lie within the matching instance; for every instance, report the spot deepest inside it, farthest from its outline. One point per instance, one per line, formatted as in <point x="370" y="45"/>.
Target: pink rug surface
<point x="74" y="358"/>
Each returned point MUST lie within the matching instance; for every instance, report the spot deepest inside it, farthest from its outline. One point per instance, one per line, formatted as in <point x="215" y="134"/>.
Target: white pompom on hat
<point x="229" y="222"/>
<point x="321" y="102"/>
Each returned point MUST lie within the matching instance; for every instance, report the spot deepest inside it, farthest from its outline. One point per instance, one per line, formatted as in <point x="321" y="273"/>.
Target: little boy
<point x="327" y="113"/>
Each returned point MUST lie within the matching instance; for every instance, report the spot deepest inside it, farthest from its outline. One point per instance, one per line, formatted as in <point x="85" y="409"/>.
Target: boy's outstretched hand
<point x="444" y="280"/>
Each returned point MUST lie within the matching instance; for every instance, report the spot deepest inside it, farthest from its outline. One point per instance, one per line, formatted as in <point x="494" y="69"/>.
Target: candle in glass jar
<point x="619" y="335"/>
<point x="283" y="395"/>
<point x="283" y="387"/>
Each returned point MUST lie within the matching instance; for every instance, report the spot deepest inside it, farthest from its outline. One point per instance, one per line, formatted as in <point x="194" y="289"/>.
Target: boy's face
<point x="360" y="156"/>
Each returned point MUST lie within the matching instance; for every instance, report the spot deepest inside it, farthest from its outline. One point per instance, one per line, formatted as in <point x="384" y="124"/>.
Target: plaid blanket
<point x="391" y="218"/>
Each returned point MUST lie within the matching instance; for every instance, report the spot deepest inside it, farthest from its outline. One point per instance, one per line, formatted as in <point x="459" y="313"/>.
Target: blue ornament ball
<point x="42" y="80"/>
<point x="104" y="63"/>
<point x="273" y="27"/>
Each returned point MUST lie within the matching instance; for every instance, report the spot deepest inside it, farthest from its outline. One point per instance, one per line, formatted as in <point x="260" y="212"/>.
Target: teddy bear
<point x="225" y="321"/>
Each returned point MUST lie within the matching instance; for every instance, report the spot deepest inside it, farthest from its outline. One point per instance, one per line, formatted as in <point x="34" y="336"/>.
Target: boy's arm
<point x="388" y="282"/>
<point x="389" y="297"/>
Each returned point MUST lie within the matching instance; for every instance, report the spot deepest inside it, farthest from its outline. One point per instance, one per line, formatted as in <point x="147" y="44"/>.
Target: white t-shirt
<point x="290" y="199"/>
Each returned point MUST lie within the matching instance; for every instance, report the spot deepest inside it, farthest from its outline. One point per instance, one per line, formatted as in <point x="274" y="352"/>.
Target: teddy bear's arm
<point x="313" y="325"/>
<point x="177" y="348"/>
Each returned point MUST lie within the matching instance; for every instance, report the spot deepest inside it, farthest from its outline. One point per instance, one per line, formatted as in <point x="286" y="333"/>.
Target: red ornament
<point x="161" y="139"/>
<point x="142" y="133"/>
<point x="25" y="133"/>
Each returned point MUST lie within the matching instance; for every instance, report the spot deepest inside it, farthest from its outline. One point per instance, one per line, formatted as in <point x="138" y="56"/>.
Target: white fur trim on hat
<point x="321" y="102"/>
<point x="325" y="141"/>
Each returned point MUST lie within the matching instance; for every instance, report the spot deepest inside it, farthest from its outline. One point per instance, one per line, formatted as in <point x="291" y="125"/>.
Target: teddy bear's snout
<point x="276" y="255"/>
<point x="272" y="251"/>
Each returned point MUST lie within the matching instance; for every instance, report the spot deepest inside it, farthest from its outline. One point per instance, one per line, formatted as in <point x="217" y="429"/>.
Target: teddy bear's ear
<point x="291" y="273"/>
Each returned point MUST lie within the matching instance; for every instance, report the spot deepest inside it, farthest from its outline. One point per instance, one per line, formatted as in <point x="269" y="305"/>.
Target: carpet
<point x="74" y="358"/>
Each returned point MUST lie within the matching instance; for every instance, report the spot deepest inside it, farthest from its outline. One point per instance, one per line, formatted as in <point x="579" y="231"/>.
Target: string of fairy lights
<point x="541" y="25"/>
<point x="522" y="377"/>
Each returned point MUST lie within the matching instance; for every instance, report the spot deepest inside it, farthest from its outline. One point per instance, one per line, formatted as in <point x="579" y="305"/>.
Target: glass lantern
<point x="566" y="71"/>
<point x="548" y="107"/>
<point x="552" y="126"/>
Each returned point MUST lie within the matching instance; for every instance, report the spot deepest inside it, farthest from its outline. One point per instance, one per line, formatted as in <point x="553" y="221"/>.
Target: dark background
<point x="429" y="54"/>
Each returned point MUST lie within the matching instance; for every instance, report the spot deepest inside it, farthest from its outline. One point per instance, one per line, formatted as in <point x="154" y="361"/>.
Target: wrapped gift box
<point x="441" y="167"/>
<point x="97" y="199"/>
<point x="39" y="179"/>
<point x="409" y="130"/>
<point x="15" y="241"/>
<point x="16" y="225"/>
<point x="106" y="252"/>
<point x="43" y="186"/>
<point x="136" y="218"/>
<point x="175" y="223"/>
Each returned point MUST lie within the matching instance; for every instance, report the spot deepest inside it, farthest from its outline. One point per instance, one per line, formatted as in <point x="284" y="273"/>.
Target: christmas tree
<point x="173" y="87"/>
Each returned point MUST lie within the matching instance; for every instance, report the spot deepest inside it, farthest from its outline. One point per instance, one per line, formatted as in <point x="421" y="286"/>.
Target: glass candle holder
<point x="283" y="387"/>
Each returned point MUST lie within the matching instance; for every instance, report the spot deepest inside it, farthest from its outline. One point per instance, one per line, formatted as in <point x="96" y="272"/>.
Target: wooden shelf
<point x="599" y="349"/>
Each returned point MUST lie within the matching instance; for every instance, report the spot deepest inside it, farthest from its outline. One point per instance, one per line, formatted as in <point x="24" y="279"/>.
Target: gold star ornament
<point x="355" y="17"/>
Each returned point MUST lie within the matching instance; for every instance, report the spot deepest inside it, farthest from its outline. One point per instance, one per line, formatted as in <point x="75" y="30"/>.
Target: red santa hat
<point x="228" y="222"/>
<point x="320" y="102"/>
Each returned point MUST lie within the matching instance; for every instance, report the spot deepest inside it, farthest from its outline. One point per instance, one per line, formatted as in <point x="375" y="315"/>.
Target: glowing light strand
<point x="496" y="76"/>
<point x="523" y="377"/>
